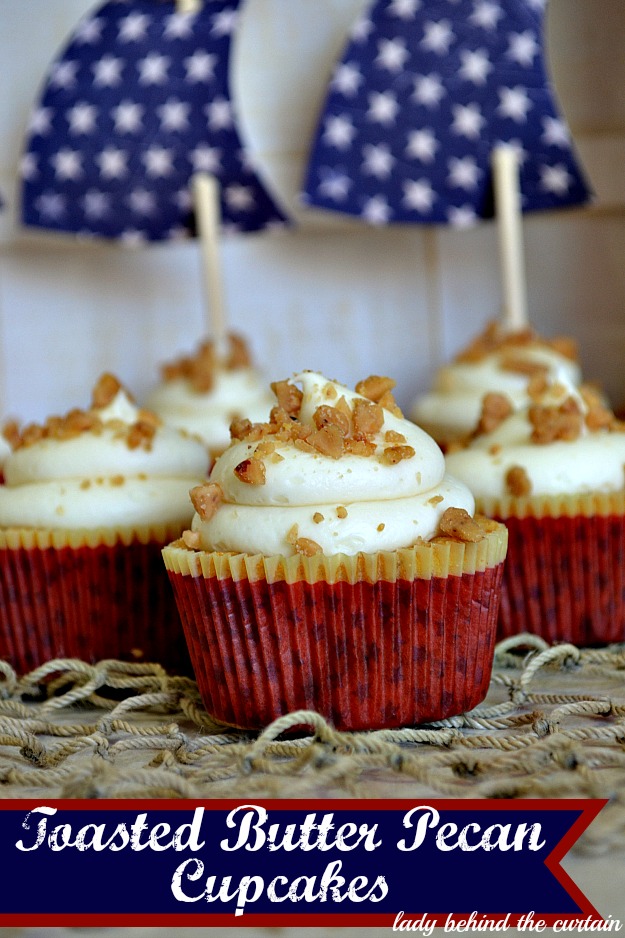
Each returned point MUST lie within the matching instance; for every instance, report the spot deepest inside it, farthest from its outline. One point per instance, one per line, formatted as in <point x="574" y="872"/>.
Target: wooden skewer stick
<point x="505" y="160"/>
<point x="207" y="214"/>
<point x="188" y="6"/>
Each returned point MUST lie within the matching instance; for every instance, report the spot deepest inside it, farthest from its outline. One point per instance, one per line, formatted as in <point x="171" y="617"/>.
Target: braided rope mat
<point x="553" y="725"/>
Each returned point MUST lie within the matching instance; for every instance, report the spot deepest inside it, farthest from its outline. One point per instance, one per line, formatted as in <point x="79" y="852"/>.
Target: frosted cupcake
<point x="554" y="473"/>
<point x="496" y="361"/>
<point x="333" y="565"/>
<point x="89" y="501"/>
<point x="203" y="394"/>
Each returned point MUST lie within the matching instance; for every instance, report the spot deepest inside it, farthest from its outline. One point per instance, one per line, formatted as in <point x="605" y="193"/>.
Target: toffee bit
<point x="117" y="480"/>
<point x="304" y="446"/>
<point x="387" y="401"/>
<point x="141" y="434"/>
<point x="238" y="353"/>
<point x="536" y="387"/>
<point x="105" y="390"/>
<point x="318" y="517"/>
<point x="331" y="416"/>
<point x="458" y="523"/>
<point x="328" y="441"/>
<point x="206" y="499"/>
<point x="599" y="418"/>
<point x="523" y="366"/>
<point x="394" y="454"/>
<point x="556" y="423"/>
<point x="381" y="526"/>
<point x="265" y="448"/>
<point x="307" y="547"/>
<point x="251" y="471"/>
<point x="341" y="511"/>
<point x="11" y="433"/>
<point x="374" y="387"/>
<point x="392" y="436"/>
<point x="368" y="418"/>
<point x="495" y="409"/>
<point x="289" y="397"/>
<point x="343" y="407"/>
<point x="518" y="482"/>
<point x="359" y="447"/>
<point x="191" y="539"/>
<point x="435" y="500"/>
<point x="292" y="535"/>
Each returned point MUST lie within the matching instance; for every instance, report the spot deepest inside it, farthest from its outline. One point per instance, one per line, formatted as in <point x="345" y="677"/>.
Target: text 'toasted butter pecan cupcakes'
<point x="332" y="565"/>
<point x="89" y="501"/>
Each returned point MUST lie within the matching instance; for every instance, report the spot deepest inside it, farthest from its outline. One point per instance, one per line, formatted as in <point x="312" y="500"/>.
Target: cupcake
<point x="332" y="565"/>
<point x="89" y="501"/>
<point x="497" y="361"/>
<point x="203" y="393"/>
<point x="553" y="472"/>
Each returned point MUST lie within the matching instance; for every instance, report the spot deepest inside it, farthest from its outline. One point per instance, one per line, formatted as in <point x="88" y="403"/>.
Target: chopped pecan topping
<point x="518" y="482"/>
<point x="494" y="339"/>
<point x="318" y="517"/>
<point x="565" y="346"/>
<point x="11" y="433"/>
<point x="105" y="391"/>
<point x="199" y="369"/>
<point x="368" y="418"/>
<point x="251" y="471"/>
<point x="359" y="447"/>
<point x="206" y="499"/>
<point x="326" y="415"/>
<point x="387" y="401"/>
<point x="556" y="423"/>
<point x="141" y="434"/>
<point x="341" y="511"/>
<point x="375" y="387"/>
<point x="289" y="397"/>
<point x="394" y="454"/>
<point x="523" y="366"/>
<point x="307" y="547"/>
<point x="328" y="440"/>
<point x="191" y="540"/>
<point x="392" y="436"/>
<point x="238" y="353"/>
<point x="458" y="523"/>
<point x="381" y="526"/>
<point x="435" y="500"/>
<point x="495" y="409"/>
<point x="537" y="387"/>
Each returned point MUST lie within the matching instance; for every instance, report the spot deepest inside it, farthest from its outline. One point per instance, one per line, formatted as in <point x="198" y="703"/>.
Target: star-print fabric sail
<point x="424" y="91"/>
<point x="138" y="101"/>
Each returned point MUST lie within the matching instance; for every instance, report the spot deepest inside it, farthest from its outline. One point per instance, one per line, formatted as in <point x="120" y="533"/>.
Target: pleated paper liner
<point x="89" y="594"/>
<point x="565" y="574"/>
<point x="371" y="641"/>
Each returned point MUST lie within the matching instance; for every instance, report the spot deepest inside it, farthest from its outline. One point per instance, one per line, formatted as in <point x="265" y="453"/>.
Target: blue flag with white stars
<point x="424" y="92"/>
<point x="138" y="101"/>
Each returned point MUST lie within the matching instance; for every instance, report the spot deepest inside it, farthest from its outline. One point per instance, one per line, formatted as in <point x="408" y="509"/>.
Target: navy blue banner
<point x="282" y="862"/>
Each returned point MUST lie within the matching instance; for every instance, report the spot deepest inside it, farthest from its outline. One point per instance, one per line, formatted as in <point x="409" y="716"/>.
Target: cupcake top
<point x="332" y="471"/>
<point x="563" y="442"/>
<point x="111" y="465"/>
<point x="499" y="361"/>
<point x="9" y="434"/>
<point x="204" y="393"/>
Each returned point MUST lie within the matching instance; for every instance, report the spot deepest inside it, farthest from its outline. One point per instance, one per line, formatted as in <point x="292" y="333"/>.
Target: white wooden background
<point x="342" y="298"/>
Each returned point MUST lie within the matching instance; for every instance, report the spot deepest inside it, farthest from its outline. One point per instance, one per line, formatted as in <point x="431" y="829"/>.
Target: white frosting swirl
<point x="591" y="463"/>
<point x="235" y="393"/>
<point x="94" y="479"/>
<point x="452" y="408"/>
<point x="386" y="507"/>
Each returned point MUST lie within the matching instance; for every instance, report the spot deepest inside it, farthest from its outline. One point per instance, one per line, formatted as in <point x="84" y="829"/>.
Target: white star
<point x="239" y="198"/>
<point x="422" y="145"/>
<point x="404" y="9"/>
<point x="206" y="159"/>
<point x="89" y="31"/>
<point x="376" y="210"/>
<point x="383" y="107"/>
<point x="392" y="54"/>
<point x="50" y="205"/>
<point x="225" y="22"/>
<point x="486" y="14"/>
<point x="419" y="195"/>
<point x="555" y="132"/>
<point x="183" y="200"/>
<point x="142" y="202"/>
<point x="464" y="173"/>
<point x="28" y="167"/>
<point x="112" y="162"/>
<point x="438" y="36"/>
<point x="555" y="179"/>
<point x="200" y="66"/>
<point x="219" y="113"/>
<point x="475" y="66"/>
<point x="514" y="103"/>
<point x="378" y="160"/>
<point x="133" y="27"/>
<point x="522" y="47"/>
<point x="468" y="120"/>
<point x="428" y="90"/>
<point x="67" y="164"/>
<point x="174" y="115"/>
<point x="179" y="26"/>
<point x="133" y="238"/>
<point x="158" y="161"/>
<point x="461" y="217"/>
<point x="64" y="75"/>
<point x="128" y="117"/>
<point x="107" y="71"/>
<point x="40" y="122"/>
<point x="339" y="131"/>
<point x="153" y="69"/>
<point x="335" y="184"/>
<point x="347" y="78"/>
<point x="96" y="204"/>
<point x="82" y="118"/>
<point x="538" y="5"/>
<point x="361" y="29"/>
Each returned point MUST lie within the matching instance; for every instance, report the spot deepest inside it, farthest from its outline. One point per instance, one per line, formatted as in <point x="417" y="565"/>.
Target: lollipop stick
<point x="188" y="6"/>
<point x="508" y="213"/>
<point x="207" y="214"/>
